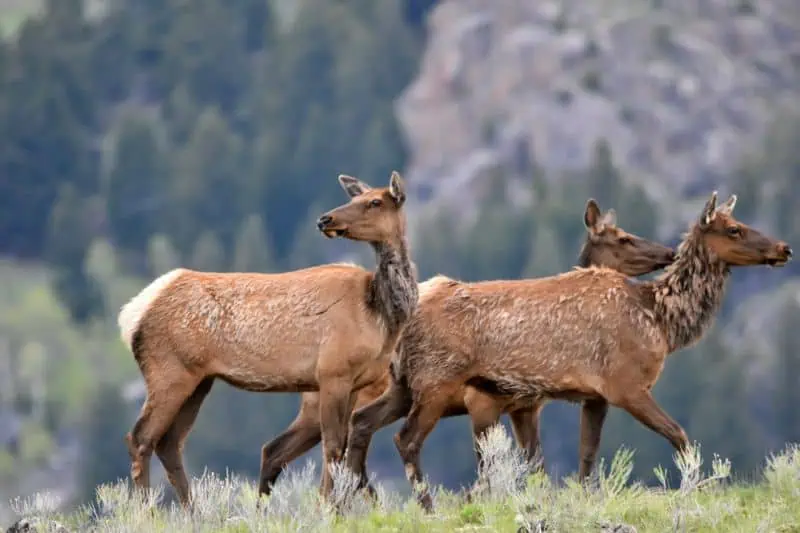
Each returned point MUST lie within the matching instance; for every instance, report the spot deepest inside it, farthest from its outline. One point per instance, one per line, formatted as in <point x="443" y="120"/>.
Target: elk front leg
<point x="393" y="404"/>
<point x="525" y="423"/>
<point x="303" y="434"/>
<point x="645" y="409"/>
<point x="593" y="415"/>
<point x="335" y="408"/>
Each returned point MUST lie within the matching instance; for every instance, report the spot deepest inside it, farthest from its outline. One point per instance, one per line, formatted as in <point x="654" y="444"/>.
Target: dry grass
<point x="510" y="499"/>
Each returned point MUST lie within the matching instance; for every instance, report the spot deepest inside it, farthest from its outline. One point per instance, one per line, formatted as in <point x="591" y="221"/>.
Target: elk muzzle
<point x="327" y="225"/>
<point x="783" y="254"/>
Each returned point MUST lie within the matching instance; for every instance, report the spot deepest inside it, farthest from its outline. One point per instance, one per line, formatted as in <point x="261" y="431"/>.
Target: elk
<point x="606" y="245"/>
<point x="591" y="335"/>
<point x="329" y="328"/>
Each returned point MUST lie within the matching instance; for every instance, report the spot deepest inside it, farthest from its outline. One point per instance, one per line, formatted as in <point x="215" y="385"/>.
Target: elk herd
<point x="366" y="349"/>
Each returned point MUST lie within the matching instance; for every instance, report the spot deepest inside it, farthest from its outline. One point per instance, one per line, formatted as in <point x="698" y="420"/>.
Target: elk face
<point x="736" y="243"/>
<point x="610" y="246"/>
<point x="372" y="215"/>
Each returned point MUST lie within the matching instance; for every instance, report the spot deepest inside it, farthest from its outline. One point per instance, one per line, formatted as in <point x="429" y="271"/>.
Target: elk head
<point x="610" y="246"/>
<point x="735" y="243"/>
<point x="371" y="215"/>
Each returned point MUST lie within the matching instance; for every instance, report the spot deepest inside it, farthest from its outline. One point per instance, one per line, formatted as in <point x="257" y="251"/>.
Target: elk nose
<point x="323" y="221"/>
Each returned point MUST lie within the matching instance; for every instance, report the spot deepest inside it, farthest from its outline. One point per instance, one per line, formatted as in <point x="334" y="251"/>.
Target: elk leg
<point x="170" y="448"/>
<point x="484" y="412"/>
<point x="393" y="404"/>
<point x="165" y="398"/>
<point x="421" y="419"/>
<point x="593" y="415"/>
<point x="335" y="408"/>
<point x="644" y="408"/>
<point x="303" y="434"/>
<point x="525" y="424"/>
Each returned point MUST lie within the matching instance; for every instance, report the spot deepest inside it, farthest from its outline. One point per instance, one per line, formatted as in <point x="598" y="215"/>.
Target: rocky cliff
<point x="679" y="88"/>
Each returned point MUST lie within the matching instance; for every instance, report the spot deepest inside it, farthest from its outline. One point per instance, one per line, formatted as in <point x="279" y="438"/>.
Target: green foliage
<point x="252" y="250"/>
<point x="104" y="458"/>
<point x="702" y="503"/>
<point x="136" y="195"/>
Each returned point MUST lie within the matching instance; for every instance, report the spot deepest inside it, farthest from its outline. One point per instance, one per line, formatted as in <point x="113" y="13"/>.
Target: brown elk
<point x="591" y="335"/>
<point x="329" y="328"/>
<point x="606" y="245"/>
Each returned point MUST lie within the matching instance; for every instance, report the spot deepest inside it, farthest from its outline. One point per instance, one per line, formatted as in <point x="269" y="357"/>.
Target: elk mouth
<point x="333" y="233"/>
<point x="777" y="262"/>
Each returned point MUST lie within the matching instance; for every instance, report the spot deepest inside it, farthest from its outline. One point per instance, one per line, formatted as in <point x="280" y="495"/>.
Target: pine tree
<point x="252" y="252"/>
<point x="136" y="183"/>
<point x="208" y="254"/>
<point x="104" y="459"/>
<point x="161" y="255"/>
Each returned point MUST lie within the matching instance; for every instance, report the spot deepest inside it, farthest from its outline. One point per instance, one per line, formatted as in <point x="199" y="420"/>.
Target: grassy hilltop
<point x="704" y="500"/>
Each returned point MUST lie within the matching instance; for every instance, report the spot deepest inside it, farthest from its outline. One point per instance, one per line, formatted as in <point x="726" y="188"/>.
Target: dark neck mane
<point x="689" y="292"/>
<point x="393" y="290"/>
<point x="585" y="257"/>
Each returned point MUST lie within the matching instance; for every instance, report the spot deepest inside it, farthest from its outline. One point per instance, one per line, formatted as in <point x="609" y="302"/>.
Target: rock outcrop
<point x="679" y="88"/>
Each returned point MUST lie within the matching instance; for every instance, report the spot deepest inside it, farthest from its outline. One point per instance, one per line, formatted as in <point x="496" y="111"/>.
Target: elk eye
<point x="733" y="231"/>
<point x="625" y="240"/>
<point x="375" y="203"/>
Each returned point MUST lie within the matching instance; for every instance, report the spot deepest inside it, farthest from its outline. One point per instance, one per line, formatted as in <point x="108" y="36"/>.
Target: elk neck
<point x="585" y="257"/>
<point x="689" y="293"/>
<point x="393" y="290"/>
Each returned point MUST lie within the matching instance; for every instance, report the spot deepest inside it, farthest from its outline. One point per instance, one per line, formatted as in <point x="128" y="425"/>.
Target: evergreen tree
<point x="69" y="237"/>
<point x="136" y="188"/>
<point x="161" y="255"/>
<point x="545" y="256"/>
<point x="252" y="252"/>
<point x="104" y="459"/>
<point x="787" y="369"/>
<point x="207" y="185"/>
<point x="208" y="254"/>
<point x="604" y="179"/>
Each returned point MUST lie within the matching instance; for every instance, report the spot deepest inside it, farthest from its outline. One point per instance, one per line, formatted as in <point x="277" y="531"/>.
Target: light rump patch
<point x="131" y="313"/>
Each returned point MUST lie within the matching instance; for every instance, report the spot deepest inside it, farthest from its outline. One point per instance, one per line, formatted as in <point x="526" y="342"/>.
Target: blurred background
<point x="141" y="135"/>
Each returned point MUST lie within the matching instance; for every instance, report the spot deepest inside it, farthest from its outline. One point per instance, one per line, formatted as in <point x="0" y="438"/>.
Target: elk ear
<point x="592" y="215"/>
<point x="709" y="209"/>
<point x="352" y="186"/>
<point x="397" y="188"/>
<point x="609" y="218"/>
<point x="727" y="207"/>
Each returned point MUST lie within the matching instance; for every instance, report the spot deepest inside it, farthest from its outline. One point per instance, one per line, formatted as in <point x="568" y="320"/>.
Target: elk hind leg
<point x="303" y="434"/>
<point x="170" y="448"/>
<point x="484" y="412"/>
<point x="593" y="415"/>
<point x="166" y="395"/>
<point x="525" y="424"/>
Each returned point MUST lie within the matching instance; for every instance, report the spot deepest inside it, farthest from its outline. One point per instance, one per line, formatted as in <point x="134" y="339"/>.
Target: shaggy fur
<point x="589" y="335"/>
<point x="606" y="244"/>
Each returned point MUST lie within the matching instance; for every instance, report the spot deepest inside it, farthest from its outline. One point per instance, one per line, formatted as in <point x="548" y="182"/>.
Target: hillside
<point x="679" y="89"/>
<point x="701" y="500"/>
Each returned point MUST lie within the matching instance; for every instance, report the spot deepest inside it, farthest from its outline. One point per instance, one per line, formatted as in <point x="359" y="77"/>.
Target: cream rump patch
<point x="130" y="315"/>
